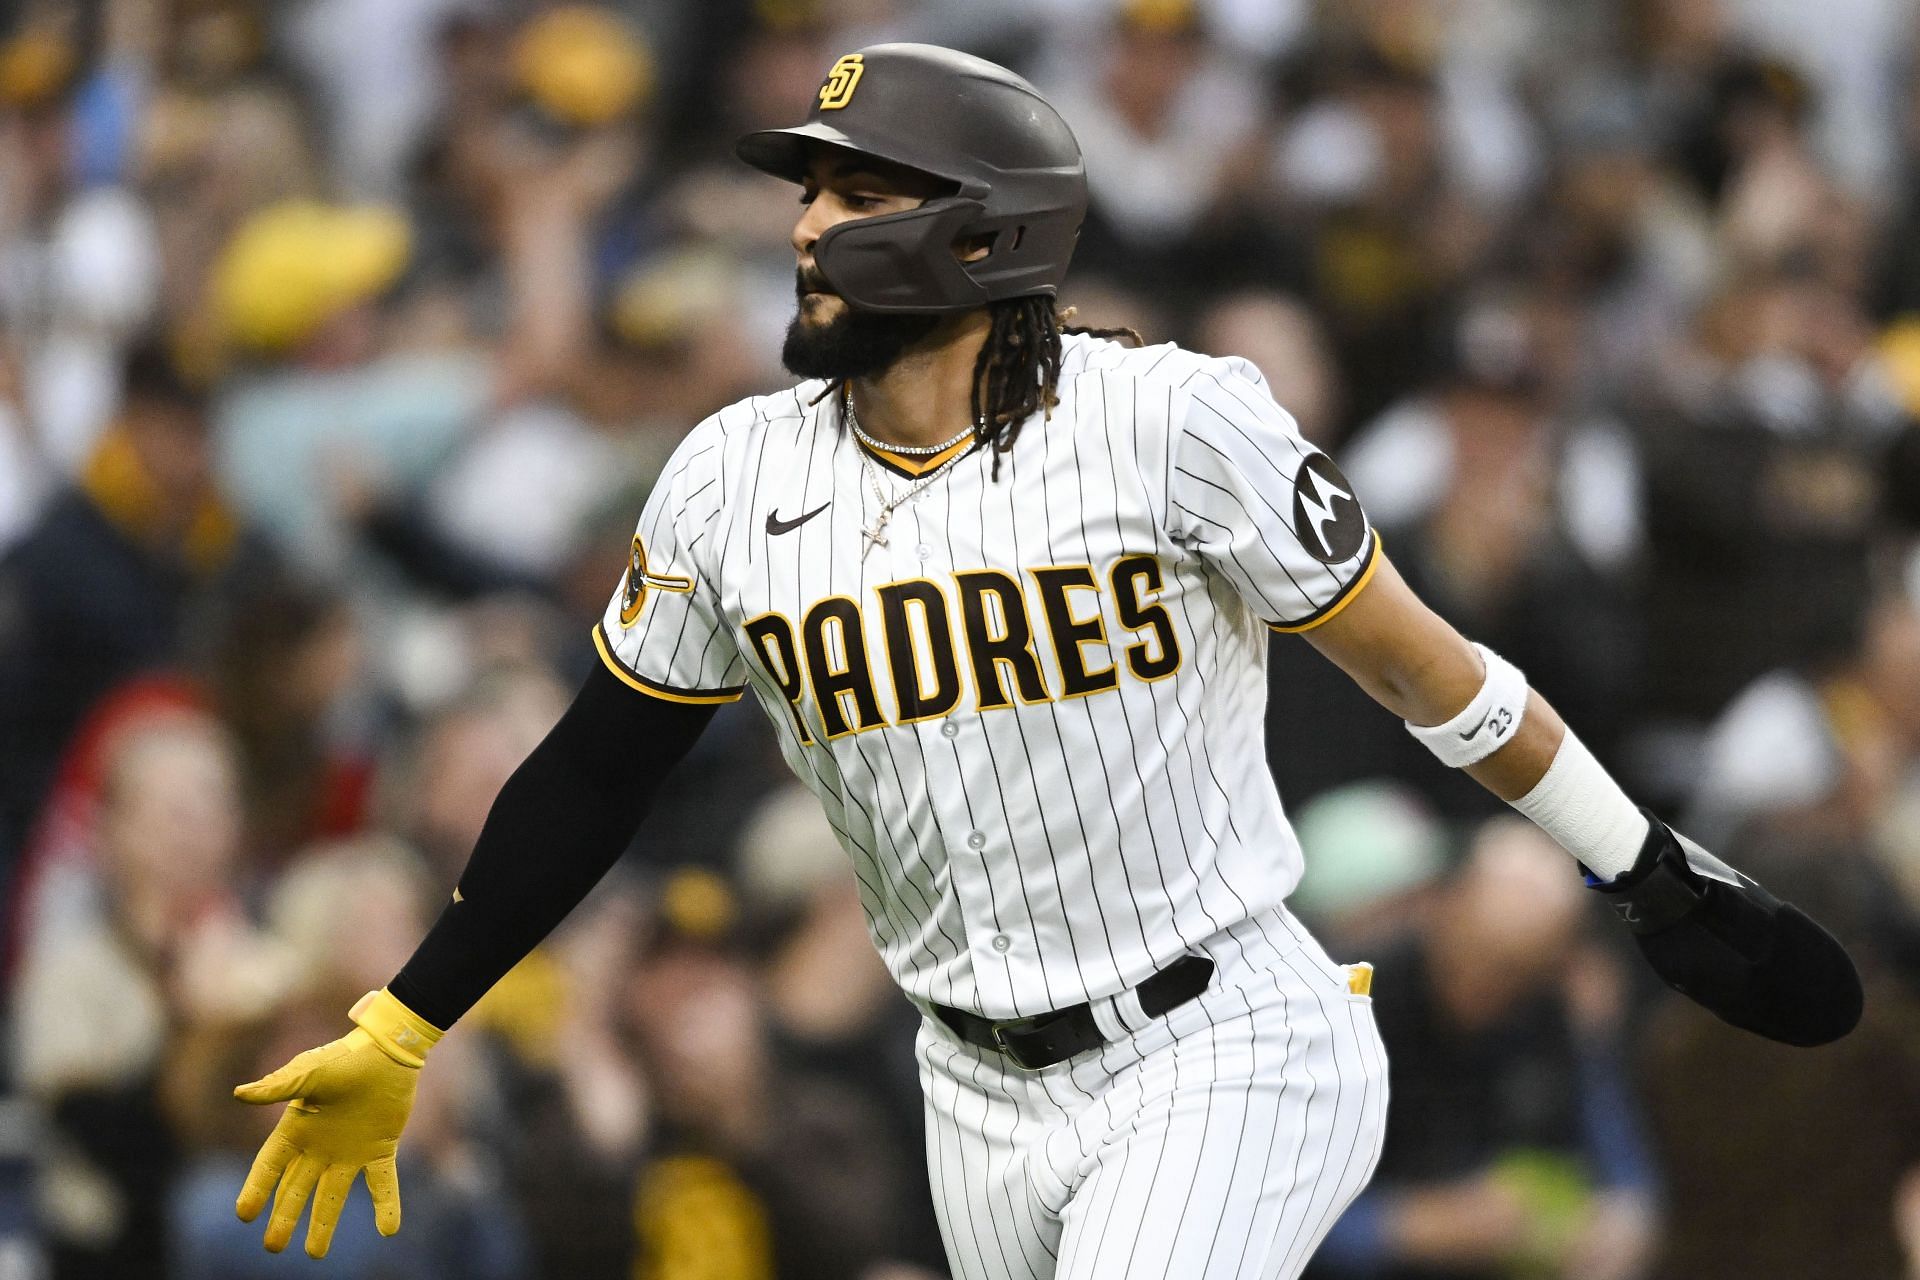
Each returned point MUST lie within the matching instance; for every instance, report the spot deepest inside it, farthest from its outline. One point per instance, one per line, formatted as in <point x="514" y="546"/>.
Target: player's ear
<point x="972" y="248"/>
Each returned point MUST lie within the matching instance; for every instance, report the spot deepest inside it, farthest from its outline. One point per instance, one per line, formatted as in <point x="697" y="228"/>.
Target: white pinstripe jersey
<point x="1035" y="716"/>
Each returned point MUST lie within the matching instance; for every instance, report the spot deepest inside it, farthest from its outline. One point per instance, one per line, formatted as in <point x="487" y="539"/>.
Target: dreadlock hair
<point x="1018" y="372"/>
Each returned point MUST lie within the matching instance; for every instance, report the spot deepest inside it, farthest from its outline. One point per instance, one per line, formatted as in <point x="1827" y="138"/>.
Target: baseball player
<point x="1004" y="590"/>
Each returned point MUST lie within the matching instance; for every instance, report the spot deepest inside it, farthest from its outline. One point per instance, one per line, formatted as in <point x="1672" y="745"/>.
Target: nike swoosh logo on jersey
<point x="776" y="526"/>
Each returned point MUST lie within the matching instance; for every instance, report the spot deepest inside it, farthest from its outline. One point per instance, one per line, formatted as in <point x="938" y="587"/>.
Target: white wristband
<point x="1488" y="722"/>
<point x="1580" y="805"/>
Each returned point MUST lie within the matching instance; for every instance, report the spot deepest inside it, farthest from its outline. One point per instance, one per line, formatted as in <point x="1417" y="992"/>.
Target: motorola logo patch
<point x="1326" y="516"/>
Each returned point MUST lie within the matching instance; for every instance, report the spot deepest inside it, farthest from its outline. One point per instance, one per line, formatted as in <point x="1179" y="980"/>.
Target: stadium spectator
<point x="582" y="1119"/>
<point x="1285" y="342"/>
<point x="465" y="751"/>
<point x="1166" y="119"/>
<point x="1765" y="445"/>
<point x="1374" y="852"/>
<point x="832" y="1010"/>
<point x="105" y="583"/>
<point x="79" y="265"/>
<point x="1816" y="751"/>
<point x="160" y="945"/>
<point x="1512" y="1144"/>
<point x="758" y="1170"/>
<point x="283" y="669"/>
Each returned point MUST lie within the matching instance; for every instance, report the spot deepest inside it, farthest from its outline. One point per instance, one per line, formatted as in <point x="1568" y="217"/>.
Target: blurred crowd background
<point x="340" y="341"/>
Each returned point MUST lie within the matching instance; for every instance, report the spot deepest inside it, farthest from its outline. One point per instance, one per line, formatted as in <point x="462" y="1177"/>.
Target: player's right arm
<point x="556" y="828"/>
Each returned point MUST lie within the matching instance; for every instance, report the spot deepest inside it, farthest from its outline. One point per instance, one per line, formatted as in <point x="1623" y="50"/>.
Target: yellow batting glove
<point x="346" y="1104"/>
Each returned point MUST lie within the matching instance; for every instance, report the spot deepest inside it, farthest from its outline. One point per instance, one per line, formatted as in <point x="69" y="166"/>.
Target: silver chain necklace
<point x="876" y="532"/>
<point x="904" y="450"/>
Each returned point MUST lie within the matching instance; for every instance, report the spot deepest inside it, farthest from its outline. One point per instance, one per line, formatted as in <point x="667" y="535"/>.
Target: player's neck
<point x="926" y="396"/>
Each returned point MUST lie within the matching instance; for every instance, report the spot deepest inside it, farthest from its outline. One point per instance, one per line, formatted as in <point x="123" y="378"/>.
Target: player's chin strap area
<point x="1048" y="1038"/>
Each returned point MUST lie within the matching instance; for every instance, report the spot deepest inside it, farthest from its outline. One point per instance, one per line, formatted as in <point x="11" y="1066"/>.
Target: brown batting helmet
<point x="1020" y="183"/>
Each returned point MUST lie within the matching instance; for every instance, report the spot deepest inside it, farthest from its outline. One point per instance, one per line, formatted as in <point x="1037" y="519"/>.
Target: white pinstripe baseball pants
<point x="1220" y="1141"/>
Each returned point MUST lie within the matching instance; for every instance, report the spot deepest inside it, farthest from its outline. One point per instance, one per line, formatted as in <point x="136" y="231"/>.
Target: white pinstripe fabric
<point x="1221" y="1141"/>
<point x="1025" y="857"/>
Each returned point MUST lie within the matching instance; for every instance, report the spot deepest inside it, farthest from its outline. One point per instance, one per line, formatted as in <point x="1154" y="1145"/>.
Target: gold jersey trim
<point x="1333" y="607"/>
<point x="634" y="680"/>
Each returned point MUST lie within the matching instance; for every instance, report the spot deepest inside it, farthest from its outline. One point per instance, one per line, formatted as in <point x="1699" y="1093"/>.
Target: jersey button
<point x="1001" y="942"/>
<point x="976" y="839"/>
<point x="949" y="730"/>
<point x="923" y="551"/>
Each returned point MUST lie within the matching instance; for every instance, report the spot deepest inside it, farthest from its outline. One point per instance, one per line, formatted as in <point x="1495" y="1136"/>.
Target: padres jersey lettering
<point x="922" y="642"/>
<point x="1035" y="715"/>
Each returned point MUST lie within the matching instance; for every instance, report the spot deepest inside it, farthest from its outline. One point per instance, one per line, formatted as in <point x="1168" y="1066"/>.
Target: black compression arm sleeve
<point x="558" y="825"/>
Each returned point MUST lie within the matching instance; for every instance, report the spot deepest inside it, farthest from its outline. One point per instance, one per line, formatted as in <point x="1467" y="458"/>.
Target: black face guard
<point x="908" y="261"/>
<point x="903" y="262"/>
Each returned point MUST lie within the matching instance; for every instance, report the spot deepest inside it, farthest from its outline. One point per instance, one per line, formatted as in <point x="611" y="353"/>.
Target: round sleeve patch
<point x="639" y="579"/>
<point x="1326" y="516"/>
<point x="633" y="592"/>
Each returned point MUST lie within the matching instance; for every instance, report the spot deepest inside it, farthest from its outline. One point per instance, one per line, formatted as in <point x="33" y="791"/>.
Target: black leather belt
<point x="1046" y="1038"/>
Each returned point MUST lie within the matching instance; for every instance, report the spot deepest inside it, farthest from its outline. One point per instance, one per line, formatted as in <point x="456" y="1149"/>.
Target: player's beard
<point x="854" y="344"/>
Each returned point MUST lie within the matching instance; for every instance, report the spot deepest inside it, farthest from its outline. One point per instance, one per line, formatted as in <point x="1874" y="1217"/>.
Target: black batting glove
<point x="1718" y="938"/>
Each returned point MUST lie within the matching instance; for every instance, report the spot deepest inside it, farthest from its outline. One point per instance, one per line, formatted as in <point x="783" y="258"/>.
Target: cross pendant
<point x="875" y="536"/>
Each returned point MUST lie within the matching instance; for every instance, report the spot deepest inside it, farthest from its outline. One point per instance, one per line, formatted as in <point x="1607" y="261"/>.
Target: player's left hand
<point x="1717" y="937"/>
<point x="347" y="1102"/>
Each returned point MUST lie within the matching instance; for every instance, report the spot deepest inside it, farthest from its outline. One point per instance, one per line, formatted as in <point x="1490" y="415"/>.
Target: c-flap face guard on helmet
<point x="909" y="262"/>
